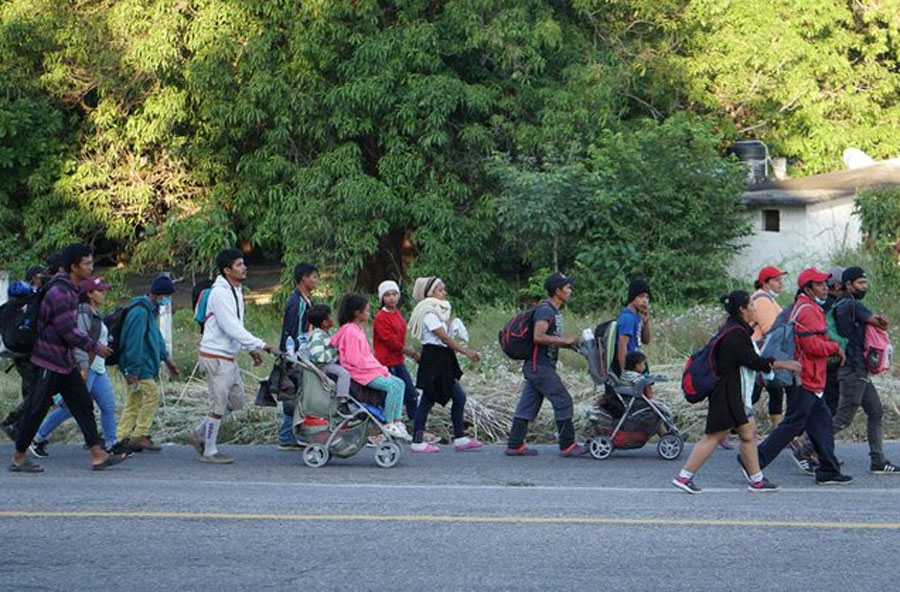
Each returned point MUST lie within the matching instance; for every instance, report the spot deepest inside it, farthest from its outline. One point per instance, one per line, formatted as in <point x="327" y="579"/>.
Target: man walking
<point x="55" y="368"/>
<point x="143" y="348"/>
<point x="224" y="336"/>
<point x="806" y="407"/>
<point x="541" y="378"/>
<point x="855" y="387"/>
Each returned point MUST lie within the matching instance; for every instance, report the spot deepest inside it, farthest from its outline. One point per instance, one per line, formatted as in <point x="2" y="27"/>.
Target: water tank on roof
<point x="755" y="156"/>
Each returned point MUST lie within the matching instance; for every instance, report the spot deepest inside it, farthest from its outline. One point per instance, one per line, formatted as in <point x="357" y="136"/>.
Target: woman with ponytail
<point x="737" y="362"/>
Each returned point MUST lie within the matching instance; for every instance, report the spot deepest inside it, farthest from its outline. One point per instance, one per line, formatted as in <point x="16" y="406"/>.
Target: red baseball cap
<point x="812" y="275"/>
<point x="769" y="272"/>
<point x="93" y="284"/>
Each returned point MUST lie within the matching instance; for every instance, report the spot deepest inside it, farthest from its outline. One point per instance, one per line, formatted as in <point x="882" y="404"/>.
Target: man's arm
<point x="622" y="350"/>
<point x="541" y="337"/>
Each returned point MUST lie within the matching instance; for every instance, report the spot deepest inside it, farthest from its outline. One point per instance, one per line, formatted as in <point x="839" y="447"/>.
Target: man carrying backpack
<point x="856" y="389"/>
<point x="806" y="408"/>
<point x="55" y="366"/>
<point x="142" y="348"/>
<point x="541" y="378"/>
<point x="21" y="296"/>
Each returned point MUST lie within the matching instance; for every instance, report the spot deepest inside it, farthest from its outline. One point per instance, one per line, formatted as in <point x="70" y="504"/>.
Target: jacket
<point x="224" y="334"/>
<point x="813" y="345"/>
<point x="295" y="319"/>
<point x="355" y="354"/>
<point x="89" y="323"/>
<point x="57" y="329"/>
<point x="320" y="351"/>
<point x="143" y="346"/>
<point x="389" y="337"/>
<point x="765" y="309"/>
<point x="736" y="351"/>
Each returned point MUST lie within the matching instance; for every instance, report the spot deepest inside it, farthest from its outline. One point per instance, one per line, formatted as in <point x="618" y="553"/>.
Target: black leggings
<point x="776" y="398"/>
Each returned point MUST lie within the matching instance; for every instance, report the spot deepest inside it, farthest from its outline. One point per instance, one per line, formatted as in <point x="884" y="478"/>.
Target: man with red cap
<point x="806" y="407"/>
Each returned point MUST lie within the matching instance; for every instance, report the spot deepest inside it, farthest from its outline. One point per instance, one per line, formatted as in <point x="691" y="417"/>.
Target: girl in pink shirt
<point x="356" y="356"/>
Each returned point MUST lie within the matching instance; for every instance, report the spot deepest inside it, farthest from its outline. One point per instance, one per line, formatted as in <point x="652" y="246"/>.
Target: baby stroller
<point x="627" y="418"/>
<point x="325" y="432"/>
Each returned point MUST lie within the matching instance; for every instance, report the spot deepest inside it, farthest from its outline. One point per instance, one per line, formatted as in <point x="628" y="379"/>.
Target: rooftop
<point x="825" y="187"/>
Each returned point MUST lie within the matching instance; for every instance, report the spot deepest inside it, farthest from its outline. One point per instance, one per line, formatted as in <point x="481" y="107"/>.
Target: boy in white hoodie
<point x="224" y="336"/>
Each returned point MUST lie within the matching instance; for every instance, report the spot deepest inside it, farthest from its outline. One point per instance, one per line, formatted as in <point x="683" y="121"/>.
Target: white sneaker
<point x="398" y="430"/>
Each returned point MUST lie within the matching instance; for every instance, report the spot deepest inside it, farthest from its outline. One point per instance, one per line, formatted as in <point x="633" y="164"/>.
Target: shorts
<point x="223" y="381"/>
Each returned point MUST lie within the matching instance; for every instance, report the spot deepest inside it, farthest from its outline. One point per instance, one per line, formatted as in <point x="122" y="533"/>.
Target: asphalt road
<point x="450" y="521"/>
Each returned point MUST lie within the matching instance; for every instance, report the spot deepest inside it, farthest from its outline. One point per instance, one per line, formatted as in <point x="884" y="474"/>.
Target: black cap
<point x="851" y="274"/>
<point x="555" y="281"/>
<point x="636" y="288"/>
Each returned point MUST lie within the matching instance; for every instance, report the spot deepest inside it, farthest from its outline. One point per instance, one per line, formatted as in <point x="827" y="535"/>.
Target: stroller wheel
<point x="315" y="456"/>
<point x="601" y="447"/>
<point x="387" y="455"/>
<point x="670" y="446"/>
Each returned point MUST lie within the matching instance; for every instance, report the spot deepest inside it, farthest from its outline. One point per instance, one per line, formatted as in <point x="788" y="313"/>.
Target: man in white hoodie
<point x="224" y="336"/>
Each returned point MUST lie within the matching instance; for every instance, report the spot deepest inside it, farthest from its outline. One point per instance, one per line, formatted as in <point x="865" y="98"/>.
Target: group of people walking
<point x="73" y="344"/>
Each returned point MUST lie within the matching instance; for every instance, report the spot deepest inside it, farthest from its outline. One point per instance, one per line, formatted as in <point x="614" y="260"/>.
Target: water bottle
<point x="289" y="347"/>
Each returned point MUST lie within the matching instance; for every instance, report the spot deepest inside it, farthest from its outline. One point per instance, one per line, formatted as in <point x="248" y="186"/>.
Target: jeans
<point x="809" y="413"/>
<point x="410" y="395"/>
<point x="457" y="414"/>
<point x="71" y="387"/>
<point x="857" y="390"/>
<point x="286" y="431"/>
<point x="393" y="400"/>
<point x="100" y="388"/>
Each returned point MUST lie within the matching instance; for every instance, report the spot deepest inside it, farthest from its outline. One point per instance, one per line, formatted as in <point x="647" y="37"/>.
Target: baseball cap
<point x="812" y="274"/>
<point x="851" y="274"/>
<point x="836" y="275"/>
<point x="769" y="272"/>
<point x="93" y="284"/>
<point x="555" y="281"/>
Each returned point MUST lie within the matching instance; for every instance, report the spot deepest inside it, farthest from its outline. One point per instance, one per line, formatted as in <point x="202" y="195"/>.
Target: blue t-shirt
<point x="629" y="323"/>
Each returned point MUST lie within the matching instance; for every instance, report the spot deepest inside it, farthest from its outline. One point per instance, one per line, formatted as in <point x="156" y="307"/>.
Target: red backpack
<point x="517" y="336"/>
<point x="699" y="376"/>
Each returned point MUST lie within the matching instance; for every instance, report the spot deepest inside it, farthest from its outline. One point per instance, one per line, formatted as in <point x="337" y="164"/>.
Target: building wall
<point x="809" y="235"/>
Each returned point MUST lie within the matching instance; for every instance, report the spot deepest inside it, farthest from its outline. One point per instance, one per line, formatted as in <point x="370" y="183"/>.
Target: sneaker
<point x="217" y="459"/>
<point x="522" y="450"/>
<point x="397" y="430"/>
<point x="424" y="448"/>
<point x="761" y="486"/>
<point x="835" y="480"/>
<point x="287" y="446"/>
<point x="38" y="449"/>
<point x="430" y="438"/>
<point x="804" y="462"/>
<point x="884" y="469"/>
<point x="574" y="449"/>
<point x="374" y="441"/>
<point x="744" y="470"/>
<point x="472" y="444"/>
<point x="686" y="485"/>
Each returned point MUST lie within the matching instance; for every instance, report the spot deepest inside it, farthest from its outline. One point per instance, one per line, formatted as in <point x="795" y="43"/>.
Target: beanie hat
<point x="424" y="287"/>
<point x="162" y="286"/>
<point x="636" y="288"/>
<point x="385" y="287"/>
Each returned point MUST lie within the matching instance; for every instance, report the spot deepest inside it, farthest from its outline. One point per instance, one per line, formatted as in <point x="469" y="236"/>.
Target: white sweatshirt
<point x="224" y="333"/>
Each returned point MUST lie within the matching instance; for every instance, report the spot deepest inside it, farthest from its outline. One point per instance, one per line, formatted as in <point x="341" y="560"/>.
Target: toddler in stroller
<point x="626" y="416"/>
<point x="329" y="431"/>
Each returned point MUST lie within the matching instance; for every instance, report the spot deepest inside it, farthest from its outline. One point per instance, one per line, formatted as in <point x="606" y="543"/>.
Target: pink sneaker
<point x="472" y="444"/>
<point x="424" y="448"/>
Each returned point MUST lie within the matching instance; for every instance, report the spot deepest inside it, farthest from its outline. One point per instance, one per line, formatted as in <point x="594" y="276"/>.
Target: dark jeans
<point x="832" y="388"/>
<point x="26" y="372"/>
<point x="776" y="398"/>
<point x="410" y="395"/>
<point x="77" y="399"/>
<point x="539" y="384"/>
<point x="857" y="390"/>
<point x="457" y="414"/>
<point x="809" y="413"/>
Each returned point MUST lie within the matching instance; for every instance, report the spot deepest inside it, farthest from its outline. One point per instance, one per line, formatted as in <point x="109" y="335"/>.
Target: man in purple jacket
<point x="54" y="363"/>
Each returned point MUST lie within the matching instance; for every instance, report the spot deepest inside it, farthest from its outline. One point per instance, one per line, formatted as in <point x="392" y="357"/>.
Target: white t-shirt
<point x="430" y="324"/>
<point x="99" y="364"/>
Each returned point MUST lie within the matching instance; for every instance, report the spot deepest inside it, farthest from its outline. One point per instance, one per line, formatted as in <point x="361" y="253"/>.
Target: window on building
<point x="771" y="220"/>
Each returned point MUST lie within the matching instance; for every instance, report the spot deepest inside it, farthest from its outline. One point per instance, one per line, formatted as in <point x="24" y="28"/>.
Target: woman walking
<point x="737" y="363"/>
<point x="439" y="370"/>
<point x="769" y="284"/>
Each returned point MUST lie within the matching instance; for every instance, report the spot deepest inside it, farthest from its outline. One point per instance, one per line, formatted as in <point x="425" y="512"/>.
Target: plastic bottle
<point x="290" y="347"/>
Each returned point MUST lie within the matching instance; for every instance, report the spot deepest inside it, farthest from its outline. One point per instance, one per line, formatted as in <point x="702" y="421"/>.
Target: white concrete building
<point x="807" y="221"/>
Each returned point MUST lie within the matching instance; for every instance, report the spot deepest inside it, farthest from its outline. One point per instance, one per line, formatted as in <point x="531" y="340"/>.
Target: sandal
<point x="111" y="459"/>
<point x="25" y="467"/>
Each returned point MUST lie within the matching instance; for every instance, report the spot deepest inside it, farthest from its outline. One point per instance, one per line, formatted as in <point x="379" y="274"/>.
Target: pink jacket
<point x="356" y="355"/>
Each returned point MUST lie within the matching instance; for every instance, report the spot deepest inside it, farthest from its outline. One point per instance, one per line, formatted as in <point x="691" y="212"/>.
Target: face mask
<point x="772" y="293"/>
<point x="819" y="301"/>
<point x="860" y="294"/>
<point x="165" y="301"/>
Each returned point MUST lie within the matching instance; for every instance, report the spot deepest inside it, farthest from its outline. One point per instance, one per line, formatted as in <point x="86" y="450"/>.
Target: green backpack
<point x="833" y="333"/>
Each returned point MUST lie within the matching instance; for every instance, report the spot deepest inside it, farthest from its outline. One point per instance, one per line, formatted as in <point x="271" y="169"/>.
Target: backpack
<point x="833" y="333"/>
<point x="780" y="343"/>
<point x="877" y="350"/>
<point x="18" y="322"/>
<point x="699" y="376"/>
<point x="199" y="300"/>
<point x="517" y="336"/>
<point x="115" y="322"/>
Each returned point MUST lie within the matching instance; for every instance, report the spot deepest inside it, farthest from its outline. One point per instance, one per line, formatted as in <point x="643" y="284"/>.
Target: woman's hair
<point x="318" y="314"/>
<point x="632" y="359"/>
<point x="757" y="285"/>
<point x="351" y="305"/>
<point x="734" y="302"/>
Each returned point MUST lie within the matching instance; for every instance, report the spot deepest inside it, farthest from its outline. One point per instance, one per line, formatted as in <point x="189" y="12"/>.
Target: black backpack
<point x="18" y="321"/>
<point x="517" y="336"/>
<point x="199" y="298"/>
<point x="115" y="322"/>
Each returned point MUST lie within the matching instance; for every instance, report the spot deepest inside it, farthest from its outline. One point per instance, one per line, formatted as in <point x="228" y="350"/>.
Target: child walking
<point x="389" y="339"/>
<point x="356" y="356"/>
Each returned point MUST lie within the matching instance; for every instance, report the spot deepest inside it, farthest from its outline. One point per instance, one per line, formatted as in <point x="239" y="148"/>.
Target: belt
<point x="214" y="357"/>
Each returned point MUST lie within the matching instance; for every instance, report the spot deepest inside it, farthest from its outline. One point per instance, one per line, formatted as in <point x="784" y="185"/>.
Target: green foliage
<point x="879" y="214"/>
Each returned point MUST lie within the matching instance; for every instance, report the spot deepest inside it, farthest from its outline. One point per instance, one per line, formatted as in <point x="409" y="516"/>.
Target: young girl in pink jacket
<point x="356" y="356"/>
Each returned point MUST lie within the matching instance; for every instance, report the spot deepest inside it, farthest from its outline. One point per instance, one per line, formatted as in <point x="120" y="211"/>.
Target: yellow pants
<point x="140" y="407"/>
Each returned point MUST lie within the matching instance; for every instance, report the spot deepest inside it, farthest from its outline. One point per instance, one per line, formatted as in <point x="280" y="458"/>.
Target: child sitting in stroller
<point x="636" y="371"/>
<point x="325" y="357"/>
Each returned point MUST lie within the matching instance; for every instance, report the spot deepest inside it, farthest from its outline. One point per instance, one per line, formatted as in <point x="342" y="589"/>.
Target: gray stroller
<point x="627" y="418"/>
<point x="325" y="433"/>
